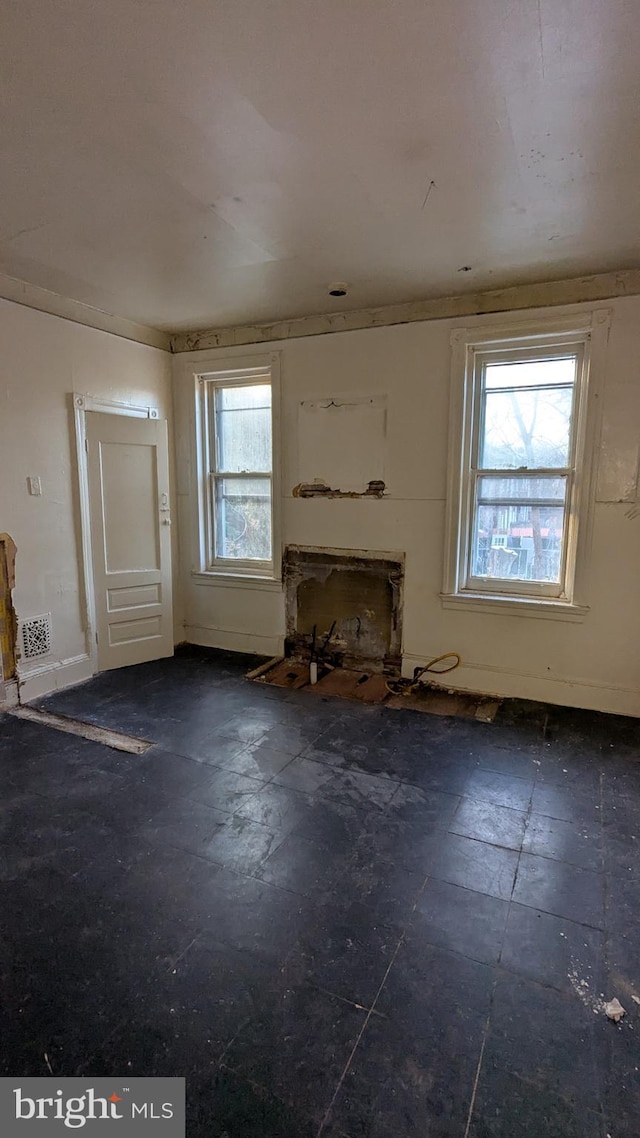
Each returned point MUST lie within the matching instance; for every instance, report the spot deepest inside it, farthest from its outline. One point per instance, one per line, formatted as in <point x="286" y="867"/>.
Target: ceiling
<point x="200" y="163"/>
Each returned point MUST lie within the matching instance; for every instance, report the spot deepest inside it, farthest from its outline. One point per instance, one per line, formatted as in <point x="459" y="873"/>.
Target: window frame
<point x="585" y="336"/>
<point x="210" y="566"/>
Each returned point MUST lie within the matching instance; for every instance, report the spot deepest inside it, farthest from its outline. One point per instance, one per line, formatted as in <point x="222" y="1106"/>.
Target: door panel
<point x="127" y="461"/>
<point x="129" y="475"/>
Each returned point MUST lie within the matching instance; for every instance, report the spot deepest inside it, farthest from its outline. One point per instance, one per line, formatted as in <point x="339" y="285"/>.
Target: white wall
<point x="590" y="664"/>
<point x="43" y="359"/>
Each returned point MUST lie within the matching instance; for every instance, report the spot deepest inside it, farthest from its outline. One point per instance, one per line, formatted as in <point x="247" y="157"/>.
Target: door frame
<point x="81" y="405"/>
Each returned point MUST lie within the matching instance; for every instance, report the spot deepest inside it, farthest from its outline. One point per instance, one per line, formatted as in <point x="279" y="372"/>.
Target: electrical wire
<point x="408" y="687"/>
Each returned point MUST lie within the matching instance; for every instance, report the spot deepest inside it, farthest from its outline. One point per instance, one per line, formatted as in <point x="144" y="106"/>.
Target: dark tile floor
<point x="332" y="919"/>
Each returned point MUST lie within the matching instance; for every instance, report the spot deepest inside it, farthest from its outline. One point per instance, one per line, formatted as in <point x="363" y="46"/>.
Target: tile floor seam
<point x="528" y="812"/>
<point x="235" y="872"/>
<point x="606" y="946"/>
<point x="250" y="876"/>
<point x="476" y="1080"/>
<point x="565" y="1098"/>
<point x="544" y="984"/>
<point x="358" y="1039"/>
<point x="343" y="999"/>
<point x="227" y="1047"/>
<point x="495" y="845"/>
<point x="560" y="917"/>
<point x="369" y="1014"/>
<point x="185" y="798"/>
<point x="559" y="861"/>
<point x="456" y="952"/>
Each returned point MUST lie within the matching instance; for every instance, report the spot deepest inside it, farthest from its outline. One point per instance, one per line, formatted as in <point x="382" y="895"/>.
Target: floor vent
<point x="36" y="636"/>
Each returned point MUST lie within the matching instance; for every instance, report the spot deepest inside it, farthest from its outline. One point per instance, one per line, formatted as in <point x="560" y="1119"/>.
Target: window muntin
<point x="239" y="448"/>
<point x="522" y="470"/>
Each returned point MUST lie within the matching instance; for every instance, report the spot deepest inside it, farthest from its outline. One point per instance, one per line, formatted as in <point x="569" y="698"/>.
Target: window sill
<point x="515" y="606"/>
<point x="254" y="581"/>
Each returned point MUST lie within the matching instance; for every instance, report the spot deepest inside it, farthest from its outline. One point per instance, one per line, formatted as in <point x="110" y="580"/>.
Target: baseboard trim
<point x="252" y="642"/>
<point x="45" y="678"/>
<point x="566" y="691"/>
<point x="10" y="695"/>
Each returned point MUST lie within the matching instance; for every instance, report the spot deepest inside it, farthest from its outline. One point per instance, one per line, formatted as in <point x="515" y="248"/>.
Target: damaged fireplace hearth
<point x="343" y="610"/>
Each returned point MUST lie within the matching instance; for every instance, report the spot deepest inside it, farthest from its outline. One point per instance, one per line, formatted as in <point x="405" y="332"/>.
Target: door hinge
<point x="86" y="446"/>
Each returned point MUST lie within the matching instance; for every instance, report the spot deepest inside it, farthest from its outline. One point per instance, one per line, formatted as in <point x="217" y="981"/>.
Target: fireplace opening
<point x="344" y="606"/>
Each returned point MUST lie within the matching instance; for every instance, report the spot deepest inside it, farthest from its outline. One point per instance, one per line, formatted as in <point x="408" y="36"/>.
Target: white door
<point x="128" y="468"/>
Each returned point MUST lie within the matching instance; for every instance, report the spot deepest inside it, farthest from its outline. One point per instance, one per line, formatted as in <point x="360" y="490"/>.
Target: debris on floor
<point x="437" y="701"/>
<point x="374" y="687"/>
<point x="582" y="987"/>
<point x="367" y="687"/>
<point x="614" y="1010"/>
<point x="283" y="673"/>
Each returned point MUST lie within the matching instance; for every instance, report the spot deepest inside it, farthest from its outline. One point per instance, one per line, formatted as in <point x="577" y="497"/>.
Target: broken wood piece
<point x="118" y="740"/>
<point x="285" y="673"/>
<point x="264" y="667"/>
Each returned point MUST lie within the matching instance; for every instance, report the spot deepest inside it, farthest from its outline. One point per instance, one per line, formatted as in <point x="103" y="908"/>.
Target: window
<point x="518" y="476"/>
<point x="238" y="492"/>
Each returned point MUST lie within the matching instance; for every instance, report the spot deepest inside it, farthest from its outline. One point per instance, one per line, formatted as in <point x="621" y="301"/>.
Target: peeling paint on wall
<point x="374" y="489"/>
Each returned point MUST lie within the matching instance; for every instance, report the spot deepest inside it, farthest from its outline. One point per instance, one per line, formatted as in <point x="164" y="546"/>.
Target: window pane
<point x="524" y="425"/>
<point x="519" y="534"/>
<point x="544" y="488"/>
<point x="243" y="428"/>
<point x="243" y="518"/>
<point x="531" y="373"/>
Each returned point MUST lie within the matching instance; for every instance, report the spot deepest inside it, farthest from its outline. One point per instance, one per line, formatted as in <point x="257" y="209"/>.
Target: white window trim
<point x="589" y="328"/>
<point x="248" y="574"/>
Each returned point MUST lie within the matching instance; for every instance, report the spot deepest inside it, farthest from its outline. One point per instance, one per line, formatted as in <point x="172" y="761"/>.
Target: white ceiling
<point x="190" y="163"/>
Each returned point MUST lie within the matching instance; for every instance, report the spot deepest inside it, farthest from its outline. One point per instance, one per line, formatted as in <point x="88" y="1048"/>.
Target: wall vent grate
<point x="36" y="636"/>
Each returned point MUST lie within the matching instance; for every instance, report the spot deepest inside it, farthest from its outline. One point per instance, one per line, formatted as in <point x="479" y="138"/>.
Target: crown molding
<point x="577" y="290"/>
<point x="42" y="299"/>
<point x="603" y="286"/>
